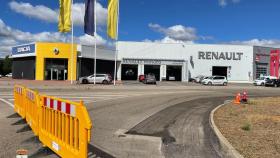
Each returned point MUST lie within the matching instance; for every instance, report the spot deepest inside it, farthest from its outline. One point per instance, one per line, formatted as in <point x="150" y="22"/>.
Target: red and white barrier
<point x="30" y="95"/>
<point x="19" y="90"/>
<point x="60" y="106"/>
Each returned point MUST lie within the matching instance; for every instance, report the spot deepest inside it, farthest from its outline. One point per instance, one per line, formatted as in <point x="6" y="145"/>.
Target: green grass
<point x="246" y="127"/>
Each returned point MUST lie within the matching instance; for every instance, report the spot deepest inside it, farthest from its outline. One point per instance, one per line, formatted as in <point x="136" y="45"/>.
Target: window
<point x="261" y="71"/>
<point x="100" y="75"/>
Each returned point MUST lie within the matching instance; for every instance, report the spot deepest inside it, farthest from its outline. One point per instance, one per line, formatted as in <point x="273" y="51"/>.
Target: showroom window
<point x="261" y="71"/>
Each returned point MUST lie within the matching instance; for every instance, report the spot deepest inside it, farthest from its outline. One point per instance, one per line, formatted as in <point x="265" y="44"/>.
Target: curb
<point x="229" y="150"/>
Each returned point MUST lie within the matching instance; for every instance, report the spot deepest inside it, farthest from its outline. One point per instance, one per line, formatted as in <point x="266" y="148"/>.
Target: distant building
<point x="168" y="61"/>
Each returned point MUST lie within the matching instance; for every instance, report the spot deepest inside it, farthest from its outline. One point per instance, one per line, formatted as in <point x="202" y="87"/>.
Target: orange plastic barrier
<point x="19" y="102"/>
<point x="64" y="127"/>
<point x="32" y="109"/>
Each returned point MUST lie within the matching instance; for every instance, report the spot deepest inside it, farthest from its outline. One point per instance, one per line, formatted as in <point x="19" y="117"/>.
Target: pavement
<point x="133" y="120"/>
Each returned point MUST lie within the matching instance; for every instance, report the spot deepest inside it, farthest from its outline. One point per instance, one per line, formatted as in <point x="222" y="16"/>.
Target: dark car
<point x="141" y="78"/>
<point x="272" y="82"/>
<point x="150" y="78"/>
<point x="191" y="80"/>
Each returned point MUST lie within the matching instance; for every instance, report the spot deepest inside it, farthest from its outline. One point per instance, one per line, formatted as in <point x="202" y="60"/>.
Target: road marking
<point x="10" y="104"/>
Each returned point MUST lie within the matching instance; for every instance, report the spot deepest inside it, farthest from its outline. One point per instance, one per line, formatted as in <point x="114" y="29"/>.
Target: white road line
<point x="10" y="104"/>
<point x="94" y="96"/>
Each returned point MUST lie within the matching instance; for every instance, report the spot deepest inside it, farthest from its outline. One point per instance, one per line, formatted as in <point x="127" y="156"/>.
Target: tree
<point x="1" y="66"/>
<point x="7" y="65"/>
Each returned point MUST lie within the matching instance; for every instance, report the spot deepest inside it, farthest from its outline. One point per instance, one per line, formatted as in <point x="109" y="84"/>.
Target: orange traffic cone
<point x="237" y="98"/>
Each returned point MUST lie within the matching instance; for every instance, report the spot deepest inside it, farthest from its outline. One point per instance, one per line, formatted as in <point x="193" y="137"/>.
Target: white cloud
<point x="47" y="14"/>
<point x="168" y="40"/>
<point x="224" y="3"/>
<point x="10" y="37"/>
<point x="39" y="12"/>
<point x="259" y="42"/>
<point x="176" y="32"/>
<point x="89" y="40"/>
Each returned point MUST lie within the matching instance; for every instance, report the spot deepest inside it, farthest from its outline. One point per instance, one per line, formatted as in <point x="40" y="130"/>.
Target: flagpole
<point x="72" y="42"/>
<point x="116" y="53"/>
<point x="95" y="41"/>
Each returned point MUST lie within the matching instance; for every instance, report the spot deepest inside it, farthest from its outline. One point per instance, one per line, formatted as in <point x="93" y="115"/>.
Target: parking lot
<point x="131" y="119"/>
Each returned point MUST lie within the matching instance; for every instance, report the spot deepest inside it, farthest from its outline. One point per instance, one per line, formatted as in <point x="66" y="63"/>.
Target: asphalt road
<point x="184" y="129"/>
<point x="131" y="121"/>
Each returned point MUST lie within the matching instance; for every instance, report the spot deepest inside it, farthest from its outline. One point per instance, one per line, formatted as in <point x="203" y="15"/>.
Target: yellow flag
<point x="113" y="11"/>
<point x="64" y="24"/>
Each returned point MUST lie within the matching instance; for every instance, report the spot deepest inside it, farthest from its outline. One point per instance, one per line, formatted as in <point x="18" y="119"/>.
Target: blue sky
<point x="249" y="22"/>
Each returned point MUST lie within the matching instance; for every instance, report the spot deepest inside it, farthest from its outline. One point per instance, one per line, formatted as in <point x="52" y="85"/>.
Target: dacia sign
<point x="219" y="55"/>
<point x="23" y="49"/>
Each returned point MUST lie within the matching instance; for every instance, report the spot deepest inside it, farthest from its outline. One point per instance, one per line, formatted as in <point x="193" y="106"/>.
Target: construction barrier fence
<point x="62" y="125"/>
<point x="32" y="109"/>
<point x="19" y="106"/>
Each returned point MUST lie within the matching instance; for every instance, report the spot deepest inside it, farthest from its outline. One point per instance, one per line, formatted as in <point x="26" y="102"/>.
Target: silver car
<point x="215" y="80"/>
<point x="100" y="78"/>
<point x="150" y="78"/>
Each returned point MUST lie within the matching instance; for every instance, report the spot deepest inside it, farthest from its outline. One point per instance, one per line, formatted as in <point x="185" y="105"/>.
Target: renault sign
<point x="220" y="55"/>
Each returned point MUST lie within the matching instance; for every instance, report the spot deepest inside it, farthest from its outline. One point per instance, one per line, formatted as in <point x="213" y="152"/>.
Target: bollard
<point x="22" y="153"/>
<point x="244" y="98"/>
<point x="237" y="98"/>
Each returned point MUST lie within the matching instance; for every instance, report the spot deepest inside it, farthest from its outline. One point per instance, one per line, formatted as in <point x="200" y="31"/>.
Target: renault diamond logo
<point x="56" y="51"/>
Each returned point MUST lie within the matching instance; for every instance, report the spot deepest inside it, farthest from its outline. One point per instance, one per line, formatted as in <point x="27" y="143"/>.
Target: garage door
<point x="154" y="69"/>
<point x="219" y="71"/>
<point x="129" y="72"/>
<point x="174" y="73"/>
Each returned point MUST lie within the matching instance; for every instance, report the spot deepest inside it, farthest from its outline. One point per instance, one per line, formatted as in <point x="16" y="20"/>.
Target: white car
<point x="205" y="78"/>
<point x="9" y="75"/>
<point x="198" y="78"/>
<point x="215" y="80"/>
<point x="262" y="80"/>
<point x="100" y="78"/>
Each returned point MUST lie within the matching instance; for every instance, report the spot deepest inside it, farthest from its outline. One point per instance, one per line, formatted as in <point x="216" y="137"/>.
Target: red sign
<point x="258" y="58"/>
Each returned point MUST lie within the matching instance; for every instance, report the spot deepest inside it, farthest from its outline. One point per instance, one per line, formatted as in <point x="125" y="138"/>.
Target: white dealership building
<point x="179" y="61"/>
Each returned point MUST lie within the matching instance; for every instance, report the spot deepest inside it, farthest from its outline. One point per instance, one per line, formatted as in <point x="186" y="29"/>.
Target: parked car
<point x="9" y="75"/>
<point x="272" y="82"/>
<point x="150" y="78"/>
<point x="262" y="80"/>
<point x="100" y="78"/>
<point x="215" y="80"/>
<point x="198" y="78"/>
<point x="141" y="78"/>
<point x="205" y="78"/>
<point x="191" y="80"/>
<point x="171" y="78"/>
<point x="1" y="76"/>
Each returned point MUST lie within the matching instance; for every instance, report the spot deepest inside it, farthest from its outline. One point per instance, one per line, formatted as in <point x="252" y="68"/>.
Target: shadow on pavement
<point x="96" y="152"/>
<point x="42" y="152"/>
<point x="14" y="115"/>
<point x="33" y="139"/>
<point x="24" y="129"/>
<point x="19" y="122"/>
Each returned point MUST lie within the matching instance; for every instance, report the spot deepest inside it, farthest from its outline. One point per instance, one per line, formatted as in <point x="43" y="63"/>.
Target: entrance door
<point x="129" y="72"/>
<point x="56" y="69"/>
<point x="154" y="69"/>
<point x="174" y="73"/>
<point x="219" y="71"/>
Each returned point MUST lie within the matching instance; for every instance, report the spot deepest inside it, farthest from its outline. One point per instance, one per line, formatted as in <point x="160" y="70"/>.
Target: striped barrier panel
<point x="32" y="109"/>
<point x="64" y="126"/>
<point x="19" y="103"/>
